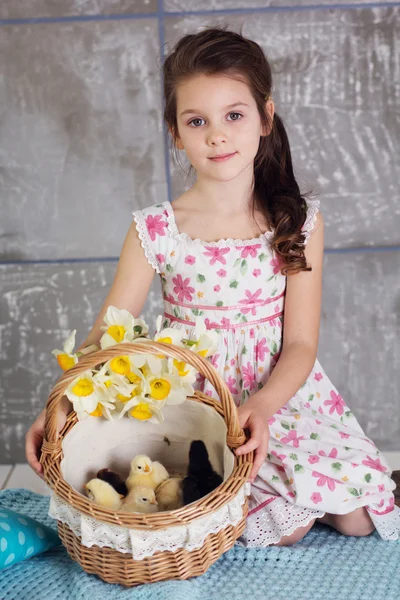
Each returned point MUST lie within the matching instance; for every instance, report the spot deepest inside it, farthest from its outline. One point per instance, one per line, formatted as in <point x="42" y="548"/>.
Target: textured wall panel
<point x="39" y="306"/>
<point x="194" y="5"/>
<point x="27" y="9"/>
<point x="82" y="142"/>
<point x="337" y="91"/>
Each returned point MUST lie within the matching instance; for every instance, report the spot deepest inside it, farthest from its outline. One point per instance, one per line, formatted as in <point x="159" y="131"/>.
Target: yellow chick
<point x="140" y="499"/>
<point x="169" y="494"/>
<point x="146" y="472"/>
<point x="104" y="494"/>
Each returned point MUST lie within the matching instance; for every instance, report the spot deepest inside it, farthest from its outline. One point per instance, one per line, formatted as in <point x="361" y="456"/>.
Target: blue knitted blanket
<point x="324" y="565"/>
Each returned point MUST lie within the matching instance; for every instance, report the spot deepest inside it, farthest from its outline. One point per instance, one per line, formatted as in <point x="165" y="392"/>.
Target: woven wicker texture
<point x="109" y="564"/>
<point x="324" y="564"/>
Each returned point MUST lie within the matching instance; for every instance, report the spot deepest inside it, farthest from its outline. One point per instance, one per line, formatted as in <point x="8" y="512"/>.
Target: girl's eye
<point x="196" y="122"/>
<point x="235" y="116"/>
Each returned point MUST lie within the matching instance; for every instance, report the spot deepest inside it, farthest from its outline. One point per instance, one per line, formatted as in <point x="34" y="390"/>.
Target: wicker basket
<point x="109" y="564"/>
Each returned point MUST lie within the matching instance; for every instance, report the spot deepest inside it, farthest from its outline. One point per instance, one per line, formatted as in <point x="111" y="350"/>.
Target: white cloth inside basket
<point x="96" y="443"/>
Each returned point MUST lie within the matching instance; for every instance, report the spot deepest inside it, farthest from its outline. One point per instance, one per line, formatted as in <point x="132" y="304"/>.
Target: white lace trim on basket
<point x="142" y="543"/>
<point x="144" y="239"/>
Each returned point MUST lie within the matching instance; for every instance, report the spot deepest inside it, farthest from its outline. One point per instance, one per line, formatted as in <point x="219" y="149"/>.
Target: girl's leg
<point x="357" y="523"/>
<point x="296" y="536"/>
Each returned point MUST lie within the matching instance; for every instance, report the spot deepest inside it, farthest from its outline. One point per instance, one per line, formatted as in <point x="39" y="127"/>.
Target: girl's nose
<point x="216" y="136"/>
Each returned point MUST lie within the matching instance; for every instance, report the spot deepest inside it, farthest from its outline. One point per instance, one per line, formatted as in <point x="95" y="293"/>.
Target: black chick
<point x="201" y="478"/>
<point x="113" y="479"/>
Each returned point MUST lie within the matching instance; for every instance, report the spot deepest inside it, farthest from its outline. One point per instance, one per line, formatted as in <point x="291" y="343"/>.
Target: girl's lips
<point x="222" y="157"/>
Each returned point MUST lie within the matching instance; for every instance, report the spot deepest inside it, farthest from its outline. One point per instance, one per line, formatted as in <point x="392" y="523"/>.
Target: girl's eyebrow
<point x="192" y="110"/>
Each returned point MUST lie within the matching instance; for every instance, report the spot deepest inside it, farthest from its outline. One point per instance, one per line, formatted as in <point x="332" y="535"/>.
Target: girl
<point x="243" y="248"/>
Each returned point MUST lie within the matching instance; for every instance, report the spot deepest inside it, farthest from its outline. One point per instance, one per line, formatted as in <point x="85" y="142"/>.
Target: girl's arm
<point x="129" y="290"/>
<point x="299" y="349"/>
<point x="302" y="314"/>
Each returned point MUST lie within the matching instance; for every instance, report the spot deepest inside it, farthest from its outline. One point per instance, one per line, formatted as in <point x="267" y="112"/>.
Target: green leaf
<point x="275" y="478"/>
<point x="244" y="350"/>
<point x="200" y="278"/>
<point x="274" y="347"/>
<point x="285" y="425"/>
<point x="368" y="477"/>
<point x="311" y="397"/>
<point x="176" y="312"/>
<point x="293" y="456"/>
<point x="336" y="466"/>
<point x="237" y="262"/>
<point x="262" y="257"/>
<point x="272" y="277"/>
<point x="260" y="385"/>
<point x="274" y="291"/>
<point x="138" y="329"/>
<point x="348" y="448"/>
<point x="219" y="303"/>
<point x="233" y="284"/>
<point x="299" y="468"/>
<point x="315" y="436"/>
<point x="243" y="267"/>
<point x="169" y="268"/>
<point x="354" y="492"/>
<point x="334" y="426"/>
<point x="195" y="311"/>
<point x="348" y="413"/>
<point x="244" y="319"/>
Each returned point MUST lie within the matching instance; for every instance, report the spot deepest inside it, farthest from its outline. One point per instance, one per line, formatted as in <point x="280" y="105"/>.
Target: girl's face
<point x="219" y="125"/>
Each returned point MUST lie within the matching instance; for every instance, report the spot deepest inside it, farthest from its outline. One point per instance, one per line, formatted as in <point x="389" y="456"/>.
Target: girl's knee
<point x="357" y="523"/>
<point x="296" y="536"/>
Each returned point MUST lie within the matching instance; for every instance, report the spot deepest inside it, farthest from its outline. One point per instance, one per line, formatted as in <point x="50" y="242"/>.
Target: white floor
<point x="22" y="476"/>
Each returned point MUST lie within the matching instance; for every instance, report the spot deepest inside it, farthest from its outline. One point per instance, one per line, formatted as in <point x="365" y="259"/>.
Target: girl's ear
<point x="177" y="140"/>
<point x="270" y="110"/>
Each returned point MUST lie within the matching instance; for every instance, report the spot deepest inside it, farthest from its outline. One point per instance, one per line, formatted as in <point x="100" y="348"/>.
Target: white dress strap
<point x="152" y="227"/>
<point x="309" y="224"/>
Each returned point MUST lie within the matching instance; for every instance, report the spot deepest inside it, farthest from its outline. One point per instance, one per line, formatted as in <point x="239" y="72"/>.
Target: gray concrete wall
<point x="82" y="145"/>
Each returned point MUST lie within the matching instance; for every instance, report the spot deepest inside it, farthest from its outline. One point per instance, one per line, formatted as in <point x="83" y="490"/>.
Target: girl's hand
<point x="34" y="437"/>
<point x="253" y="416"/>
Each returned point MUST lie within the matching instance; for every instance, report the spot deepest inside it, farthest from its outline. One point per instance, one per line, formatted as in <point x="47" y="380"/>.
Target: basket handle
<point x="235" y="434"/>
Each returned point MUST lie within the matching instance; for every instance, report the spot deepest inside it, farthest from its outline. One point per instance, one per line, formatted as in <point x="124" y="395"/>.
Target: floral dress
<point x="319" y="458"/>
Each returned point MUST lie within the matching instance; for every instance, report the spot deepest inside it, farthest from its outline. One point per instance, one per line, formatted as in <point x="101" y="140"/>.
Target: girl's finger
<point x="260" y="456"/>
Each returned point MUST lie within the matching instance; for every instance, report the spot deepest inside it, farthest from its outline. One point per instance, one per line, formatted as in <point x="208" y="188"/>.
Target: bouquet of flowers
<point x="135" y="385"/>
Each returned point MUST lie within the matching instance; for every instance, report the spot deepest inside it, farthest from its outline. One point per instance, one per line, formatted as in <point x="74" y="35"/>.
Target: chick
<point x="104" y="494"/>
<point x="201" y="478"/>
<point x="169" y="494"/>
<point x="146" y="472"/>
<point x="113" y="479"/>
<point x="140" y="499"/>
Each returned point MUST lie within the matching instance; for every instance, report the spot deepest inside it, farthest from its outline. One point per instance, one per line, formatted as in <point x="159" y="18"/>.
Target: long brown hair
<point x="276" y="192"/>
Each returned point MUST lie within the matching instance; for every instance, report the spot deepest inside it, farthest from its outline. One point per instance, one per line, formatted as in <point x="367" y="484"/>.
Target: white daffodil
<point x="113" y="383"/>
<point x="148" y="363"/>
<point x="186" y="372"/>
<point x="66" y="358"/>
<point x="85" y="396"/>
<point x="121" y="327"/>
<point x="170" y="335"/>
<point x="141" y="409"/>
<point x="206" y="341"/>
<point x="166" y="387"/>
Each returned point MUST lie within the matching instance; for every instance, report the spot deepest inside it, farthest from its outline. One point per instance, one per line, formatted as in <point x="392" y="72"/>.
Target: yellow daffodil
<point x="86" y="396"/>
<point x="186" y="372"/>
<point x="121" y="327"/>
<point x="66" y="358"/>
<point x="166" y="388"/>
<point x="141" y="409"/>
<point x="113" y="383"/>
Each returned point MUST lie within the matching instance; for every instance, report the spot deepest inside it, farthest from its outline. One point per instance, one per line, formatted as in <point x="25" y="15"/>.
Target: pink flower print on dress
<point x="276" y="265"/>
<point x="217" y="254"/>
<point x="313" y="459"/>
<point x="257" y="272"/>
<point x="210" y="324"/>
<point x="225" y="322"/>
<point x="332" y="454"/>
<point x="221" y="273"/>
<point x="182" y="288"/>
<point x="190" y="260"/>
<point x="318" y="376"/>
<point x="251" y="299"/>
<point x="271" y="421"/>
<point x="325" y="480"/>
<point x="280" y="457"/>
<point x="217" y="288"/>
<point x="249" y="250"/>
<point x="336" y="403"/>
<point x="160" y="258"/>
<point x="374" y="464"/>
<point x="292" y="437"/>
<point x="233" y="362"/>
<point x="343" y="435"/>
<point x="261" y="349"/>
<point x="381" y="488"/>
<point x="316" y="497"/>
<point x="209" y="393"/>
<point x="214" y="360"/>
<point x="155" y="226"/>
<point x="231" y="382"/>
<point x="248" y="376"/>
